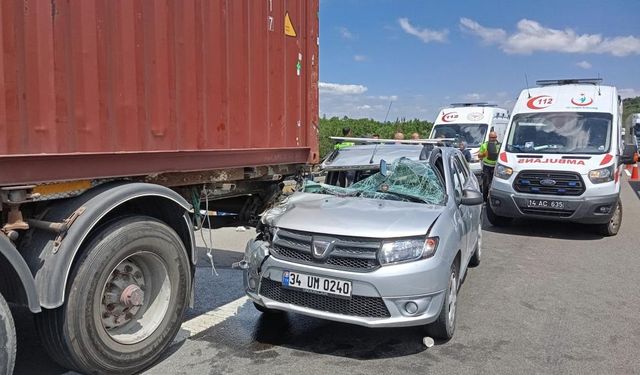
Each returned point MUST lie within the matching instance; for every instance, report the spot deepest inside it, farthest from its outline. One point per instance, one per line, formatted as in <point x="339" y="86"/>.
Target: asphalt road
<point x="548" y="298"/>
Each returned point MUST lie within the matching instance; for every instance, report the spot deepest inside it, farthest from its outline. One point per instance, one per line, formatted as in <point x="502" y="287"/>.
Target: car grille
<point x="370" y="307"/>
<point x="547" y="212"/>
<point x="351" y="254"/>
<point x="566" y="183"/>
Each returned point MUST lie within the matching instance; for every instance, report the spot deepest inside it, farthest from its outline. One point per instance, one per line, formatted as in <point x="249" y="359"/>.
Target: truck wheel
<point x="613" y="226"/>
<point x="497" y="220"/>
<point x="475" y="258"/>
<point x="444" y="327"/>
<point x="125" y="299"/>
<point x="7" y="339"/>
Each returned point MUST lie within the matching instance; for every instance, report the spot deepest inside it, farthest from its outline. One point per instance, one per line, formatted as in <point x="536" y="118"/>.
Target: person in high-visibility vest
<point x="488" y="153"/>
<point x="346" y="132"/>
<point x="345" y="179"/>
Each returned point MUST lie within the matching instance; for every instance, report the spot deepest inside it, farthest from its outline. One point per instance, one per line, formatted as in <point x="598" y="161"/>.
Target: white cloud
<point x="392" y="98"/>
<point x="360" y="58"/>
<point x="531" y="37"/>
<point x="584" y="64"/>
<point x="487" y="35"/>
<point x="426" y="35"/>
<point x="472" y="96"/>
<point x="628" y="93"/>
<point x="337" y="88"/>
<point x="376" y="106"/>
<point x="345" y="33"/>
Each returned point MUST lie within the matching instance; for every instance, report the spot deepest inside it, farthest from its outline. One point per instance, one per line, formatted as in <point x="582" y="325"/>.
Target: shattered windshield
<point x="560" y="133"/>
<point x="406" y="180"/>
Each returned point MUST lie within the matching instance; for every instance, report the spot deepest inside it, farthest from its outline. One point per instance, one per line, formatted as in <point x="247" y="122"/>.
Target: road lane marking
<point x="209" y="319"/>
<point x="627" y="172"/>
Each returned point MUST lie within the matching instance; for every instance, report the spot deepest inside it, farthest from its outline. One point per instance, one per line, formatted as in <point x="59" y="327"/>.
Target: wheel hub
<point x="123" y="296"/>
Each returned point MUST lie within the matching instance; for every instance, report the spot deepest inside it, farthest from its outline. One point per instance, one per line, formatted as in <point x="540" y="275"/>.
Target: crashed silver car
<point x="390" y="250"/>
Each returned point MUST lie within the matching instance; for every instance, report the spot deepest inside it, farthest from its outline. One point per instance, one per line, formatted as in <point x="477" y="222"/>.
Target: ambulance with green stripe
<point x="561" y="158"/>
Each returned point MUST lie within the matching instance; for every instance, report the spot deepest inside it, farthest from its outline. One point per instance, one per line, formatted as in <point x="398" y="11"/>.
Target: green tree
<point x="364" y="127"/>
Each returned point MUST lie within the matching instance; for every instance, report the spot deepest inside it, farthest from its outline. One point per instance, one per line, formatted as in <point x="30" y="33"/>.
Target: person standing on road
<point x="346" y="132"/>
<point x="488" y="153"/>
<point x="415" y="136"/>
<point x="346" y="178"/>
<point x="465" y="151"/>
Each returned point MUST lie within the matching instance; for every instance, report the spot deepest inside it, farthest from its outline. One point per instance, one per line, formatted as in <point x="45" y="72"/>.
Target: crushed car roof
<point x="369" y="156"/>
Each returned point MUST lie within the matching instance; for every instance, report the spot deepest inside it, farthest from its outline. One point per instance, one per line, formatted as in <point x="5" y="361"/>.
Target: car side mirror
<point x="383" y="168"/>
<point x="471" y="197"/>
<point x="629" y="155"/>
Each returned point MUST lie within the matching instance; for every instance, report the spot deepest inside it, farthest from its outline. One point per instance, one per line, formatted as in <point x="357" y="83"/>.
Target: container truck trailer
<point x="120" y="121"/>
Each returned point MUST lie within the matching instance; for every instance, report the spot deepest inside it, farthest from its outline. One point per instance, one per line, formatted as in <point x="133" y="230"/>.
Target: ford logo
<point x="547" y="182"/>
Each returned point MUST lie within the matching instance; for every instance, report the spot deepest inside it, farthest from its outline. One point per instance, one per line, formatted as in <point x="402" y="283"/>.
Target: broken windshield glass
<point x="407" y="180"/>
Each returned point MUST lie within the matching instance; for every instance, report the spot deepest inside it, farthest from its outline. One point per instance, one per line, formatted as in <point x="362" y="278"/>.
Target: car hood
<point x="352" y="216"/>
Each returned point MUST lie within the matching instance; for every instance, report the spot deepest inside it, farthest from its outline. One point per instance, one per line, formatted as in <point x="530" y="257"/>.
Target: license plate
<point x="542" y="203"/>
<point x="316" y="284"/>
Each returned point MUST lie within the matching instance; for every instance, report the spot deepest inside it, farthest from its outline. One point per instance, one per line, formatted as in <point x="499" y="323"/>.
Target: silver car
<point x="390" y="250"/>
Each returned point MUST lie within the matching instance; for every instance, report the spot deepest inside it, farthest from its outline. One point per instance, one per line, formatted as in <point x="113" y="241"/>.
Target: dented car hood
<point x="352" y="216"/>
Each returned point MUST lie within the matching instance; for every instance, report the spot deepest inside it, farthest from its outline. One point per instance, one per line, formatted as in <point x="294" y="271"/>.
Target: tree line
<point x="332" y="127"/>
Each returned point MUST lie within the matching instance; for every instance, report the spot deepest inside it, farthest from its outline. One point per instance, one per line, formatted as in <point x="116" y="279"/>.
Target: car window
<point x="462" y="169"/>
<point x="457" y="180"/>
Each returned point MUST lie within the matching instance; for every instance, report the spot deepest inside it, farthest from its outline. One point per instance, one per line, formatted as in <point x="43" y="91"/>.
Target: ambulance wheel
<point x="613" y="226"/>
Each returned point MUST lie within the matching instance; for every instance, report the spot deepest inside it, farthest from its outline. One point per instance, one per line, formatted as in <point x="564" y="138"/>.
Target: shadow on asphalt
<point x="255" y="336"/>
<point x="545" y="229"/>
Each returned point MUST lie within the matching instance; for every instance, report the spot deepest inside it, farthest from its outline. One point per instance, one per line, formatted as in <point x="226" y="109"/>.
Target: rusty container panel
<point x="100" y="88"/>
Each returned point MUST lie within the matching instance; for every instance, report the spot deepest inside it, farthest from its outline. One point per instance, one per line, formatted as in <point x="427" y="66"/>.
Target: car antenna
<point x="526" y="80"/>
<point x="388" y="109"/>
<point x="599" y="93"/>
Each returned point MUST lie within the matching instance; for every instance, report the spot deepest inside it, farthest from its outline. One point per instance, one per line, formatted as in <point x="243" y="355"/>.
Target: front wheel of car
<point x="497" y="220"/>
<point x="444" y="327"/>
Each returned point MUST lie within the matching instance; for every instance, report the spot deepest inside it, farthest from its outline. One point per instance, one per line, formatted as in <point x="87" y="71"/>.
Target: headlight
<point x="599" y="176"/>
<point x="503" y="172"/>
<point x="407" y="250"/>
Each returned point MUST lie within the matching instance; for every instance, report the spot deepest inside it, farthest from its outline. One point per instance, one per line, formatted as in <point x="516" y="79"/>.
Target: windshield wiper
<point x="411" y="198"/>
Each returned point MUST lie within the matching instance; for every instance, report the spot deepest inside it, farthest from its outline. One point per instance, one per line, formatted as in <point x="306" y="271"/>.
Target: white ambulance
<point x="562" y="155"/>
<point x="471" y="123"/>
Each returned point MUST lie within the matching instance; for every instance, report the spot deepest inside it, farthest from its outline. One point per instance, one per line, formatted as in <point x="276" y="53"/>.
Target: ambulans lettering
<point x="550" y="161"/>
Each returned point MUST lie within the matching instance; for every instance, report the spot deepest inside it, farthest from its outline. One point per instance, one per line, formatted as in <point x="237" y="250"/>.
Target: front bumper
<point x="585" y="210"/>
<point x="393" y="287"/>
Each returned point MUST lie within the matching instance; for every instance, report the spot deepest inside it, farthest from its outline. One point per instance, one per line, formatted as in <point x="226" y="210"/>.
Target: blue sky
<point x="423" y="55"/>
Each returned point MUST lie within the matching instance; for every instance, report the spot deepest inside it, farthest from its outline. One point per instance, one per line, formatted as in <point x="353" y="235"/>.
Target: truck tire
<point x="612" y="227"/>
<point x="7" y="339"/>
<point x="444" y="327"/>
<point x="497" y="220"/>
<point x="125" y="299"/>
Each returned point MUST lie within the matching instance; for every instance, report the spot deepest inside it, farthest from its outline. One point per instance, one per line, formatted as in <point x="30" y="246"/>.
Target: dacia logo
<point x="321" y="247"/>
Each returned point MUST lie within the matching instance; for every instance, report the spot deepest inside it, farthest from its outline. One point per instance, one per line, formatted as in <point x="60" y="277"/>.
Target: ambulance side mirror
<point x="629" y="155"/>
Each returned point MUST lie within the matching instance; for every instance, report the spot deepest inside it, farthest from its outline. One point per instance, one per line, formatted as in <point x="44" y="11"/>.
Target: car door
<point x="462" y="214"/>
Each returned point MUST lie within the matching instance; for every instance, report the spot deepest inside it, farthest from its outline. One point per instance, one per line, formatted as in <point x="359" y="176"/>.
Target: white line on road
<point x="627" y="172"/>
<point x="209" y="319"/>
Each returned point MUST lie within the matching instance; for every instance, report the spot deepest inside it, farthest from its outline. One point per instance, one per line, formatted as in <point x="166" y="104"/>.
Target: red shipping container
<point x="111" y="88"/>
